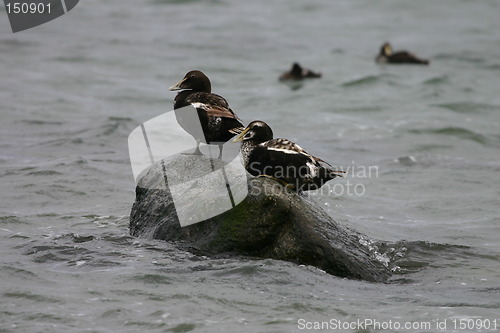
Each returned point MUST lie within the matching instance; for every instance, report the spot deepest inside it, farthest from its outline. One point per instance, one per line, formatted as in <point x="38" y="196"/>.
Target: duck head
<point x="386" y="49"/>
<point x="194" y="80"/>
<point x="257" y="131"/>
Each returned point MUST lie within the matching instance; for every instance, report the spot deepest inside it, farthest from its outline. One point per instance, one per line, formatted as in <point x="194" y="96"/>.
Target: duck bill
<point x="177" y="86"/>
<point x="387" y="49"/>
<point x="240" y="136"/>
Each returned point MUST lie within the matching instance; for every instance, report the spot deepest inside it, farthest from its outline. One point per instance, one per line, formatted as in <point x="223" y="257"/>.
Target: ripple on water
<point x="493" y="67"/>
<point x="407" y="160"/>
<point x="430" y="147"/>
<point x="32" y="297"/>
<point x="153" y="279"/>
<point x="436" y="80"/>
<point x="38" y="122"/>
<point x="11" y="219"/>
<point x="116" y="313"/>
<point x="175" y="2"/>
<point x="408" y="257"/>
<point x="468" y="57"/>
<point x="468" y="107"/>
<point x="184" y="327"/>
<point x="366" y="80"/>
<point x="19" y="273"/>
<point x="360" y="109"/>
<point x="75" y="250"/>
<point x="458" y="132"/>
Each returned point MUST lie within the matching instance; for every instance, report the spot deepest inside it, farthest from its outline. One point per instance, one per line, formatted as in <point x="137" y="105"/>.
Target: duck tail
<point x="330" y="169"/>
<point x="337" y="173"/>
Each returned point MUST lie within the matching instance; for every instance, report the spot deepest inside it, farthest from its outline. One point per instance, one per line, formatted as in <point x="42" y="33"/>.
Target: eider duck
<point x="386" y="55"/>
<point x="298" y="73"/>
<point x="218" y="121"/>
<point x="282" y="159"/>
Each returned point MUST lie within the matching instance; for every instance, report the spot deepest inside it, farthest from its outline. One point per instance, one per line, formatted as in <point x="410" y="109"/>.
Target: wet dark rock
<point x="271" y="222"/>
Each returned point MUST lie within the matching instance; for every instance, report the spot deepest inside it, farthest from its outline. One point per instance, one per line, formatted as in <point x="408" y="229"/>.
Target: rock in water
<point x="271" y="222"/>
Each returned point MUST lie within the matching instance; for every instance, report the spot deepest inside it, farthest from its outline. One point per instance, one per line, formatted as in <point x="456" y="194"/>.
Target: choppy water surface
<point x="73" y="89"/>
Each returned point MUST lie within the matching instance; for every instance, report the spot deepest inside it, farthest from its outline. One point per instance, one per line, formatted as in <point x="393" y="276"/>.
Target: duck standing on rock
<point x="218" y="122"/>
<point x="386" y="55"/>
<point x="298" y="73"/>
<point x="282" y="159"/>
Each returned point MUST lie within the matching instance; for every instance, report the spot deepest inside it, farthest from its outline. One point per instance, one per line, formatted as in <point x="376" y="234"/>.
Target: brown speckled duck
<point x="297" y="72"/>
<point x="282" y="159"/>
<point x="387" y="56"/>
<point x="218" y="122"/>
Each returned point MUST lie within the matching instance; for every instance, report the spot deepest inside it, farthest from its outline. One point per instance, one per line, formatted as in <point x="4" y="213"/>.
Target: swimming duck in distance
<point x="282" y="159"/>
<point x="387" y="55"/>
<point x="297" y="72"/>
<point x="218" y="122"/>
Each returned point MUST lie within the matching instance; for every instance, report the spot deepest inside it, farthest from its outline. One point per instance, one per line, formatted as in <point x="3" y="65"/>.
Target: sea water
<point x="73" y="89"/>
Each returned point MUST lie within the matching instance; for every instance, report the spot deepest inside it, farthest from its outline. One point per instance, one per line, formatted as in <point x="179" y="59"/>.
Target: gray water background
<point x="73" y="89"/>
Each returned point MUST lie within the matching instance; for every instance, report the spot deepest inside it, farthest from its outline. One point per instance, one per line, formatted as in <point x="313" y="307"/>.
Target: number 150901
<point x="27" y="8"/>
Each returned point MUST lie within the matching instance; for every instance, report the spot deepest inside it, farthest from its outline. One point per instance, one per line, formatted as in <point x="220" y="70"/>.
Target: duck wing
<point x="284" y="145"/>
<point x="213" y="104"/>
<point x="207" y="98"/>
<point x="317" y="166"/>
<point x="277" y="158"/>
<point x="406" y="57"/>
<point x="215" y="110"/>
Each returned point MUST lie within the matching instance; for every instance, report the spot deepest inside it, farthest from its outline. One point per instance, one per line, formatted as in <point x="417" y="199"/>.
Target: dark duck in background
<point x="297" y="72"/>
<point x="387" y="56"/>
<point x="218" y="122"/>
<point x="282" y="159"/>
